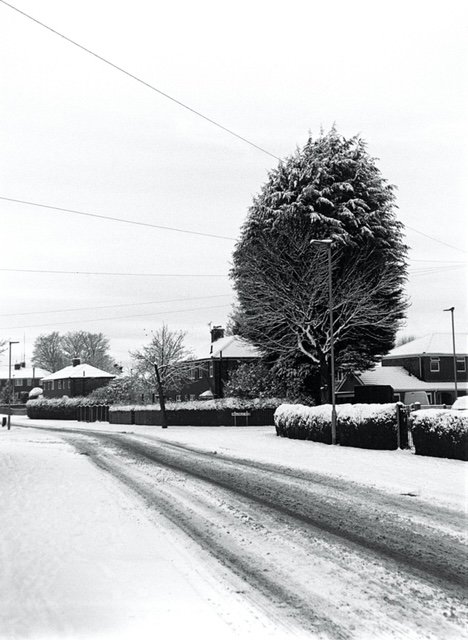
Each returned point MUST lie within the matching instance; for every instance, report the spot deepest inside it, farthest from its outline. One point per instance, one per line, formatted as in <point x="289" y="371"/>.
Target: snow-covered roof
<point x="25" y="372"/>
<point x="80" y="371"/>
<point x="396" y="377"/>
<point x="436" y="344"/>
<point x="233" y="347"/>
<point x="400" y="380"/>
<point x="227" y="347"/>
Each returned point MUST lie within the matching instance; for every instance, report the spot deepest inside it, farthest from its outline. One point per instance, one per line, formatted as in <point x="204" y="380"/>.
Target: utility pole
<point x="452" y="309"/>
<point x="327" y="244"/>
<point x="162" y="402"/>
<point x="9" y="381"/>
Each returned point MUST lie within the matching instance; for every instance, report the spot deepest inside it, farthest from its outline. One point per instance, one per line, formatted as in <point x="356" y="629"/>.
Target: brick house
<point x="24" y="379"/>
<point x="424" y="364"/>
<point x="75" y="380"/>
<point x="208" y="374"/>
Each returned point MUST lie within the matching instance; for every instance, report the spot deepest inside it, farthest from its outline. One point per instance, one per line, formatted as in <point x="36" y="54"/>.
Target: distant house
<point x="422" y="365"/>
<point x="208" y="374"/>
<point x="23" y="379"/>
<point x="75" y="380"/>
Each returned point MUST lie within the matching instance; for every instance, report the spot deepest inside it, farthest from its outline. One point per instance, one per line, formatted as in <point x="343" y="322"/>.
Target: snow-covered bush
<point x="54" y="408"/>
<point x="441" y="433"/>
<point x="370" y="426"/>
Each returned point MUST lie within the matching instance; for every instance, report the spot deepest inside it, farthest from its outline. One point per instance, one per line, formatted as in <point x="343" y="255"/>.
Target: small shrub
<point x="370" y="426"/>
<point x="54" y="408"/>
<point x="441" y="433"/>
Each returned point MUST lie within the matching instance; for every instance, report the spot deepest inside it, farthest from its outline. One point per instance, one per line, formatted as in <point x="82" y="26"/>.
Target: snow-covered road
<point x="267" y="548"/>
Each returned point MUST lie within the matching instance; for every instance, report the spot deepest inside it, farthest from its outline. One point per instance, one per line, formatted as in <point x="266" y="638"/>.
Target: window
<point x="178" y="397"/>
<point x="435" y="365"/>
<point x="192" y="373"/>
<point x="210" y="370"/>
<point x="29" y="382"/>
<point x="59" y="384"/>
<point x="461" y="364"/>
<point x="196" y="373"/>
<point x="339" y="375"/>
<point x="52" y="385"/>
<point x="192" y="396"/>
<point x="18" y="382"/>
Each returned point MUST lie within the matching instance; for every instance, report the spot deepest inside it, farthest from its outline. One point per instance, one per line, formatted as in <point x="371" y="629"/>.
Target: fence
<point x="93" y="413"/>
<point x="195" y="417"/>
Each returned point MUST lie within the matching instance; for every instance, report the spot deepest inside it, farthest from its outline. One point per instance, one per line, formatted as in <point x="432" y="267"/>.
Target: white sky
<point x="80" y="135"/>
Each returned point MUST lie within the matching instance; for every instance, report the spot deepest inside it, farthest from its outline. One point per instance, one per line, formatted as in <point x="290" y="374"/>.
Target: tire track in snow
<point x="291" y="607"/>
<point x="434" y="554"/>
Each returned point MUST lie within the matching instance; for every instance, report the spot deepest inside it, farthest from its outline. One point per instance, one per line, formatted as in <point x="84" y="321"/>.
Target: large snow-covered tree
<point x="330" y="189"/>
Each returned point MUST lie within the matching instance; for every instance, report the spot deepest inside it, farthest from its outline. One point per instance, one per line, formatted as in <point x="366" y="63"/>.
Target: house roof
<point x="26" y="372"/>
<point x="396" y="377"/>
<point x="230" y="347"/>
<point x="80" y="371"/>
<point x="435" y="344"/>
<point x="233" y="347"/>
<point x="400" y="380"/>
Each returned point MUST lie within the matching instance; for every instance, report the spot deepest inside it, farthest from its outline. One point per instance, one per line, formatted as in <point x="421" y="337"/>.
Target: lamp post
<point x="452" y="309"/>
<point x="9" y="381"/>
<point x="327" y="244"/>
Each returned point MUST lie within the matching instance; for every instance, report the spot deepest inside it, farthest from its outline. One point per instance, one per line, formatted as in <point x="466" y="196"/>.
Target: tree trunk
<point x="325" y="386"/>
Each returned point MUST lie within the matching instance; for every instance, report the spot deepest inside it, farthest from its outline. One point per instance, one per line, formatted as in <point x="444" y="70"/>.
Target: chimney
<point x="76" y="362"/>
<point x="217" y="332"/>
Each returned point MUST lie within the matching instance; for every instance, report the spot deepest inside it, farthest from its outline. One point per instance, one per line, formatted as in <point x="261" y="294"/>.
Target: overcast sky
<point x="80" y="135"/>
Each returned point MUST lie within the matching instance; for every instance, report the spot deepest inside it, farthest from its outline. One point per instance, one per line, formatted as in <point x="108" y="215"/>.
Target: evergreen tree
<point x="331" y="189"/>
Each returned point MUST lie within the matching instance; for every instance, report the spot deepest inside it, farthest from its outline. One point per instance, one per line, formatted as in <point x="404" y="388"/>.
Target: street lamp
<point x="452" y="309"/>
<point x="327" y="244"/>
<point x="9" y="381"/>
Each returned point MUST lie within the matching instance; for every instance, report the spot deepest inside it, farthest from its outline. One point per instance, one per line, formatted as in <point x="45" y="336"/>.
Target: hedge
<point x="441" y="433"/>
<point x="209" y="413"/>
<point x="240" y="404"/>
<point x="368" y="426"/>
<point x="54" y="408"/>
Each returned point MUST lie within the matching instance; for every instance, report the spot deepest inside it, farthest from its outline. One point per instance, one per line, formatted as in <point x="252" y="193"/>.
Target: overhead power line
<point x="426" y="235"/>
<point x="440" y="261"/>
<point x="114" y="273"/>
<point x="188" y="231"/>
<point x="113" y="306"/>
<point x="143" y="82"/>
<point x="139" y="315"/>
<point x="184" y="106"/>
<point x="114" y="219"/>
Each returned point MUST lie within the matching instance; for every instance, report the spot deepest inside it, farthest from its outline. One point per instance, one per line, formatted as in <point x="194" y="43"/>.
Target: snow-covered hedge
<point x="441" y="433"/>
<point x="369" y="426"/>
<point x="54" y="408"/>
<point x="198" y="405"/>
<point x="208" y="413"/>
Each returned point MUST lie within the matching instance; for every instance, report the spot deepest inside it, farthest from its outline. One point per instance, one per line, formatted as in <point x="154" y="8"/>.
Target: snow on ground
<point x="434" y="479"/>
<point x="81" y="558"/>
